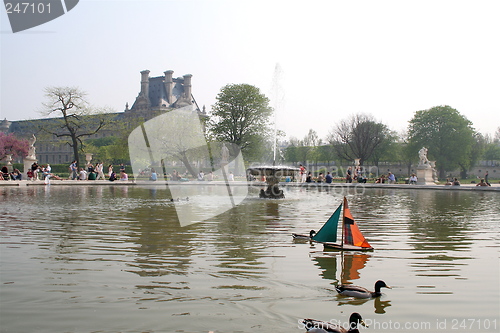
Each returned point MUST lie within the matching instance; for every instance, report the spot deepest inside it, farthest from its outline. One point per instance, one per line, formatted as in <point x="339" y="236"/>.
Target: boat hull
<point x="345" y="247"/>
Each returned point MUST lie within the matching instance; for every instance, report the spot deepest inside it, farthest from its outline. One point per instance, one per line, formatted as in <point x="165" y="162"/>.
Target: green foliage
<point x="492" y="147"/>
<point x="241" y="116"/>
<point x="447" y="134"/>
<point x="101" y="142"/>
<point x="492" y="152"/>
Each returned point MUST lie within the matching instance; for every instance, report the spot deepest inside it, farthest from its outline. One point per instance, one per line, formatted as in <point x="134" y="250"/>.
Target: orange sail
<point x="351" y="232"/>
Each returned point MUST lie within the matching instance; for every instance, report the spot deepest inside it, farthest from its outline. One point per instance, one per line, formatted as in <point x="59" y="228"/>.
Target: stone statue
<point x="434" y="171"/>
<point x="31" y="148"/>
<point x="422" y="154"/>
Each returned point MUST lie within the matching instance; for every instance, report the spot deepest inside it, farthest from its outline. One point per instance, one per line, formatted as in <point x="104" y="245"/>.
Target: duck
<point x="318" y="326"/>
<point x="299" y="236"/>
<point x="360" y="292"/>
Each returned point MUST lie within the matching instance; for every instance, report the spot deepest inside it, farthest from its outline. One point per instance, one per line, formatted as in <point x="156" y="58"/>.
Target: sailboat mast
<point x="343" y="218"/>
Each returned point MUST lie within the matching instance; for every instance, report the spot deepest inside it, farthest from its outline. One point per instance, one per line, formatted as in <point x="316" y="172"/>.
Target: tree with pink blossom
<point x="10" y="144"/>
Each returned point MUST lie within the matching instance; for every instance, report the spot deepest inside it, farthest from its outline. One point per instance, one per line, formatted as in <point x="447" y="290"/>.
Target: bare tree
<point x="75" y="119"/>
<point x="357" y="137"/>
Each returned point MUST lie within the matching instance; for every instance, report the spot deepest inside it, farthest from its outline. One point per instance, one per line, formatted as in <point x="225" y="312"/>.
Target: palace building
<point x="157" y="95"/>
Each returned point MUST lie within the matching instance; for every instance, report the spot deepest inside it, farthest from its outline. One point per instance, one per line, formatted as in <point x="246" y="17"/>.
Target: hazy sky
<point x="385" y="58"/>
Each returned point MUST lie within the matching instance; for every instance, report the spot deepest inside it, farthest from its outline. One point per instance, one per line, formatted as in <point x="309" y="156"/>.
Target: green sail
<point x="328" y="232"/>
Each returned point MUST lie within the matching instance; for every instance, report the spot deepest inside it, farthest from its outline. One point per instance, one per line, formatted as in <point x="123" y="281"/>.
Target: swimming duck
<point x="317" y="326"/>
<point x="360" y="292"/>
<point x="299" y="236"/>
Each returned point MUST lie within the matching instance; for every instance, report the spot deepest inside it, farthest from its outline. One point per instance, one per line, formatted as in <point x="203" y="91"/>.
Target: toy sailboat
<point x="352" y="239"/>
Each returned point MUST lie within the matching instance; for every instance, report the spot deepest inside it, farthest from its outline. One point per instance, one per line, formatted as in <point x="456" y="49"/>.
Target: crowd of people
<point x="96" y="172"/>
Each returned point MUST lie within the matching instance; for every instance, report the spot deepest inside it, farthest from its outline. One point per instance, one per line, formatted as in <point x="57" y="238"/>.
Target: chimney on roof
<point x="169" y="83"/>
<point x="145" y="84"/>
<point x="187" y="88"/>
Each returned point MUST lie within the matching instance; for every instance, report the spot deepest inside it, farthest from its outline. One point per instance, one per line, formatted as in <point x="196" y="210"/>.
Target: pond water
<point x="115" y="259"/>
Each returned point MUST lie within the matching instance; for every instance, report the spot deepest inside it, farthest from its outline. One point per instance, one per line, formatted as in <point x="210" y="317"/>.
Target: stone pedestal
<point x="8" y="162"/>
<point x="28" y="161"/>
<point x="425" y="175"/>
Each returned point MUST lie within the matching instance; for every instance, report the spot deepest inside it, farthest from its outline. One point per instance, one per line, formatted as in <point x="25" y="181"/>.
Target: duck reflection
<point x="378" y="304"/>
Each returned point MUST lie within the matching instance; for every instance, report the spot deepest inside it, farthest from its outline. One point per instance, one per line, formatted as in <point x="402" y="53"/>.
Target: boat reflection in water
<point x="351" y="265"/>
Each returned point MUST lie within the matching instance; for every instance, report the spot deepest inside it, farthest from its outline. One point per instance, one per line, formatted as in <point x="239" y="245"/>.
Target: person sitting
<point x="123" y="175"/>
<point x="153" y="176"/>
<point x="5" y="173"/>
<point x="391" y="178"/>
<point x="456" y="182"/>
<point x="482" y="183"/>
<point x="381" y="180"/>
<point x="83" y="174"/>
<point x="309" y="178"/>
<point x="112" y="176"/>
<point x="448" y="182"/>
<point x="92" y="176"/>
<point x="413" y="179"/>
<point x="16" y="175"/>
<point x="321" y="178"/>
<point x="328" y="178"/>
<point x="361" y="179"/>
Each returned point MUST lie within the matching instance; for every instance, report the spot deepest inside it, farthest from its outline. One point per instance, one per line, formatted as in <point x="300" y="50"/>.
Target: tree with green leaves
<point x="358" y="136"/>
<point x="241" y="116"/>
<point x="448" y="135"/>
<point x="74" y="118"/>
<point x="492" y="147"/>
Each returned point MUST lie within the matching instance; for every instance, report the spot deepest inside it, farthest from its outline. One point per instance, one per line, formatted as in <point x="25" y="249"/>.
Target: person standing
<point x="99" y="170"/>
<point x="302" y="173"/>
<point x="74" y="170"/>
<point x="110" y="170"/>
<point x="34" y="169"/>
<point x="486" y="180"/>
<point x="348" y="177"/>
